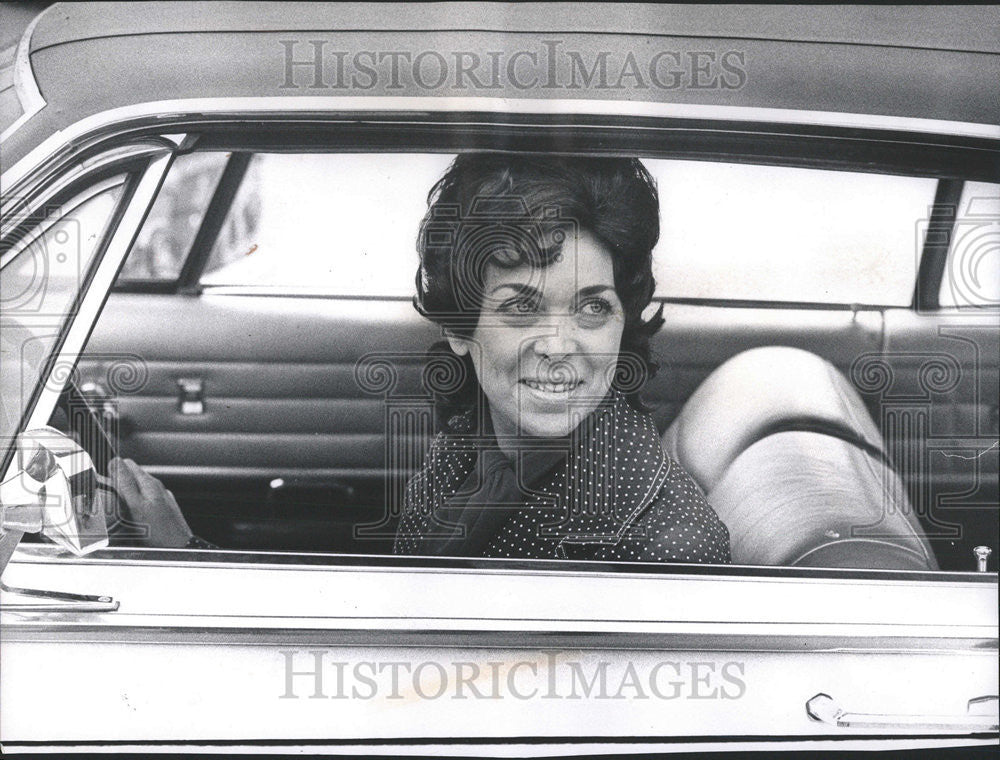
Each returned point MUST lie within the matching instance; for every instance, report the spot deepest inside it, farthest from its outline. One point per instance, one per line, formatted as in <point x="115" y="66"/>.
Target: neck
<point x="501" y="430"/>
<point x="508" y="435"/>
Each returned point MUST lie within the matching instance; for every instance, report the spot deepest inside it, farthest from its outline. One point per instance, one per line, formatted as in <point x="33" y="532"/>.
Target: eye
<point x="594" y="311"/>
<point x="524" y="307"/>
<point x="595" y="307"/>
<point x="520" y="306"/>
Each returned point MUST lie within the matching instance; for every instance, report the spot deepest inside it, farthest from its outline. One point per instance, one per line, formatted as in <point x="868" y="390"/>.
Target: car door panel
<point x="278" y="375"/>
<point x="282" y="401"/>
<point x="586" y="652"/>
<point x="213" y="341"/>
<point x="936" y="390"/>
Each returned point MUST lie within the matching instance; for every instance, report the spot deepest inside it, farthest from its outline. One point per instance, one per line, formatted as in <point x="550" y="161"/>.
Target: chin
<point x="555" y="425"/>
<point x="547" y="430"/>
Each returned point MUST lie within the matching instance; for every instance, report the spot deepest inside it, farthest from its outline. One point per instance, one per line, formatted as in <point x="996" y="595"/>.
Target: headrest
<point x="760" y="392"/>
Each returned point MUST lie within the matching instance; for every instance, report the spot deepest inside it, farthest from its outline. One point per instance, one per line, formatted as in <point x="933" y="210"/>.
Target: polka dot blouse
<point x="605" y="492"/>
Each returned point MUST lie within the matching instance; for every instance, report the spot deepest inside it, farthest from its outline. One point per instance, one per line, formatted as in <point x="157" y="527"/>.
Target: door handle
<point x="981" y="715"/>
<point x="57" y="601"/>
<point x="191" y="395"/>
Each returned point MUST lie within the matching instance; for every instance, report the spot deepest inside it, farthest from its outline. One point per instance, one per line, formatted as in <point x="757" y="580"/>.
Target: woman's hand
<point x="149" y="504"/>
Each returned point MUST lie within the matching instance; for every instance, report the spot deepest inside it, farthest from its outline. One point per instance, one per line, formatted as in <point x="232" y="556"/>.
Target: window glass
<point x="344" y="224"/>
<point x="972" y="272"/>
<point x="763" y="233"/>
<point x="165" y="239"/>
<point x="42" y="273"/>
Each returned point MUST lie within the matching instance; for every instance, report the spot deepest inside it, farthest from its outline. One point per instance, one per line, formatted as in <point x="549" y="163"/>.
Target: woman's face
<point x="546" y="344"/>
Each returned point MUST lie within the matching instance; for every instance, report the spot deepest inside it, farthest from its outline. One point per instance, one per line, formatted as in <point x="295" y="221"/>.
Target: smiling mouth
<point x="552" y="387"/>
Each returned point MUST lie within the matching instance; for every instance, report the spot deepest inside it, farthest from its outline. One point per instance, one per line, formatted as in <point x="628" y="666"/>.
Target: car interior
<point x="289" y="419"/>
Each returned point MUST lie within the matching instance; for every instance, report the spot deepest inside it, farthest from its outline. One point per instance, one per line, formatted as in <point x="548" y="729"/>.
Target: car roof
<point x="83" y="59"/>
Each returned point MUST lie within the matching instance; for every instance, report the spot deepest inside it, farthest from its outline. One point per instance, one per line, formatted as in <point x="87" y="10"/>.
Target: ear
<point x="459" y="345"/>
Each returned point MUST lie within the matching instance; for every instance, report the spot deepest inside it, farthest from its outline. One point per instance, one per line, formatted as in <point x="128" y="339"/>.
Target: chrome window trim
<point x="166" y="601"/>
<point x="25" y="84"/>
<point x="499" y="633"/>
<point x="235" y="107"/>
<point x="36" y="196"/>
<point x="232" y="559"/>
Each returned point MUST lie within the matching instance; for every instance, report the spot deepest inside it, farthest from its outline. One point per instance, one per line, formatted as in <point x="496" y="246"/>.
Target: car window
<point x="165" y="239"/>
<point x="328" y="426"/>
<point x="770" y="233"/>
<point x="972" y="271"/>
<point x="345" y="224"/>
<point x="42" y="269"/>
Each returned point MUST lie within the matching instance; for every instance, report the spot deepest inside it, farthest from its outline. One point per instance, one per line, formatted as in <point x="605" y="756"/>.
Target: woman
<point x="538" y="270"/>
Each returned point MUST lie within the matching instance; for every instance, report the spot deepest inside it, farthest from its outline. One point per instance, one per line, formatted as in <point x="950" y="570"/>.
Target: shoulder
<point x="682" y="519"/>
<point x="448" y="460"/>
<point x="629" y="418"/>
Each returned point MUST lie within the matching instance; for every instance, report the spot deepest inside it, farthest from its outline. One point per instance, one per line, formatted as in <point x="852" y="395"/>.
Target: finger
<point x="124" y="482"/>
<point x="128" y="505"/>
<point x="149" y="487"/>
<point x="180" y="524"/>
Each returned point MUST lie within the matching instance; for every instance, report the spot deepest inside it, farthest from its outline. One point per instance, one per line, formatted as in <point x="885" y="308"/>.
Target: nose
<point x="557" y="342"/>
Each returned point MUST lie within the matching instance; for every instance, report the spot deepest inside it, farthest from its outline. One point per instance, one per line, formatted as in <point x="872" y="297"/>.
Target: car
<point x="207" y="267"/>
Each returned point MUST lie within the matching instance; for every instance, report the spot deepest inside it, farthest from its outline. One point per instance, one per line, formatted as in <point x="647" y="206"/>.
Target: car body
<point x="266" y="404"/>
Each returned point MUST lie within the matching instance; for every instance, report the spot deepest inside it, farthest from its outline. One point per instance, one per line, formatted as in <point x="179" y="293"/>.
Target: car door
<point x="226" y="649"/>
<point x="262" y="649"/>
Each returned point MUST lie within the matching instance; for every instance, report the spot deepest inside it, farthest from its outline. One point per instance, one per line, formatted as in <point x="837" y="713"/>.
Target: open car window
<point x="785" y="234"/>
<point x="344" y="224"/>
<point x="305" y="439"/>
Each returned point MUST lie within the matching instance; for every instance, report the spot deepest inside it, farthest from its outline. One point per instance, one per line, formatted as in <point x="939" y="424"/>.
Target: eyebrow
<point x="595" y="289"/>
<point x="527" y="290"/>
<point x="520" y="289"/>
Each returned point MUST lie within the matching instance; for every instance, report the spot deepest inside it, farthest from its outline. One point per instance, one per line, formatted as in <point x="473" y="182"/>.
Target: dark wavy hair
<point x="509" y="209"/>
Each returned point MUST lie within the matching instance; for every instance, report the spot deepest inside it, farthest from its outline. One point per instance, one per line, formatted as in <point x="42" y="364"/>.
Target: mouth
<point x="553" y="388"/>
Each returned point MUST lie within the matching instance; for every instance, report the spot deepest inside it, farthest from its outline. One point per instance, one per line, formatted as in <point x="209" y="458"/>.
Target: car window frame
<point x="208" y="139"/>
<point x="145" y="166"/>
<point x="805" y="146"/>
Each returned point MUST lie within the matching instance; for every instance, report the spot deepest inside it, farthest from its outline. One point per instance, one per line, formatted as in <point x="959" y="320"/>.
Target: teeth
<point x="550" y="387"/>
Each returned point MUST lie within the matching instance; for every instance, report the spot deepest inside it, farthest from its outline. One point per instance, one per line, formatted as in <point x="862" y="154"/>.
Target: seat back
<point x="760" y="392"/>
<point x="792" y="462"/>
<point x="808" y="499"/>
